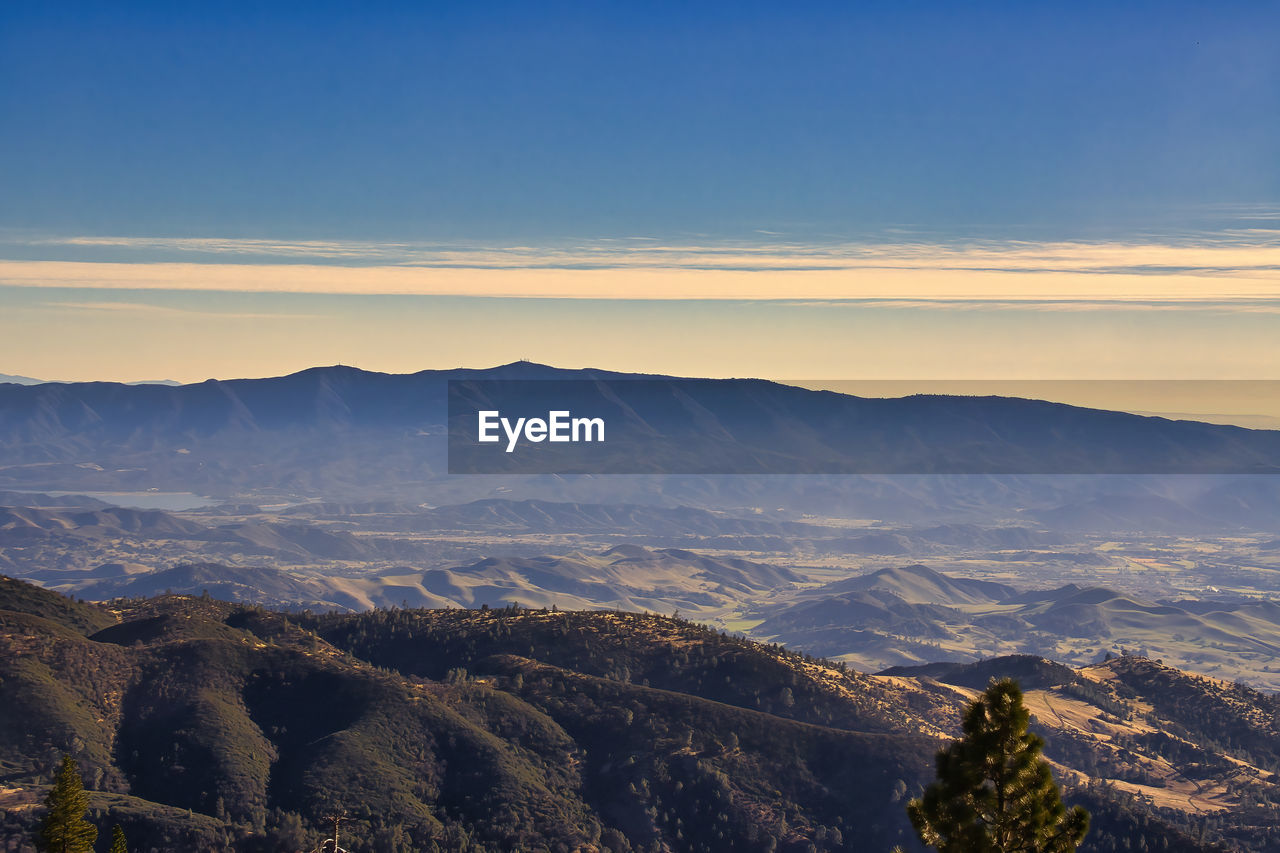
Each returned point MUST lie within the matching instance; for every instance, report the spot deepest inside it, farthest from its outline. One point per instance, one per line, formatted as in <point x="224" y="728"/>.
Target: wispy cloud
<point x="1045" y="305"/>
<point x="1232" y="248"/>
<point x="1240" y="266"/>
<point x="149" y="310"/>
<point x="1244" y="211"/>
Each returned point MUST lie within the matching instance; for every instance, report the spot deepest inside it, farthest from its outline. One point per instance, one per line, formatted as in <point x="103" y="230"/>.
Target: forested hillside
<point x="206" y="725"/>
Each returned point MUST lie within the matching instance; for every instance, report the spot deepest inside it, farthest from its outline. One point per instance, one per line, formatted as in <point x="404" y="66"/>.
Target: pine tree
<point x="118" y="843"/>
<point x="65" y="830"/>
<point x="994" y="793"/>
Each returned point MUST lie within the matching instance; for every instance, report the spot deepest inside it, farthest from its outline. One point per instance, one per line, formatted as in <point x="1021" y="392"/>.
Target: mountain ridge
<point x="515" y="728"/>
<point x="285" y="433"/>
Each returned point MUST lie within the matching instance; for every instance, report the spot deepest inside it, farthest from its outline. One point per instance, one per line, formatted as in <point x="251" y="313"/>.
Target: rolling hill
<point x="25" y="523"/>
<point x="627" y="577"/>
<point x="502" y="516"/>
<point x="914" y="615"/>
<point x="921" y="585"/>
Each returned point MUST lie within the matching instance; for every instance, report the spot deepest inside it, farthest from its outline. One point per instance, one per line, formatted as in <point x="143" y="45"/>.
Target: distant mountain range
<point x="344" y="437"/>
<point x="27" y="380"/>
<point x="337" y="432"/>
<point x="743" y="426"/>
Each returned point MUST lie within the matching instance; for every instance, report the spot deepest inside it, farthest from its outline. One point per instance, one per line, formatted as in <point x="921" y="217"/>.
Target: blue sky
<point x="443" y="135"/>
<point x="553" y="121"/>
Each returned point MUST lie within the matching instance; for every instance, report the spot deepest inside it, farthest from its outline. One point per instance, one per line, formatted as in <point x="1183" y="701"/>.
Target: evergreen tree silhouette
<point x="65" y="830"/>
<point x="994" y="793"/>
